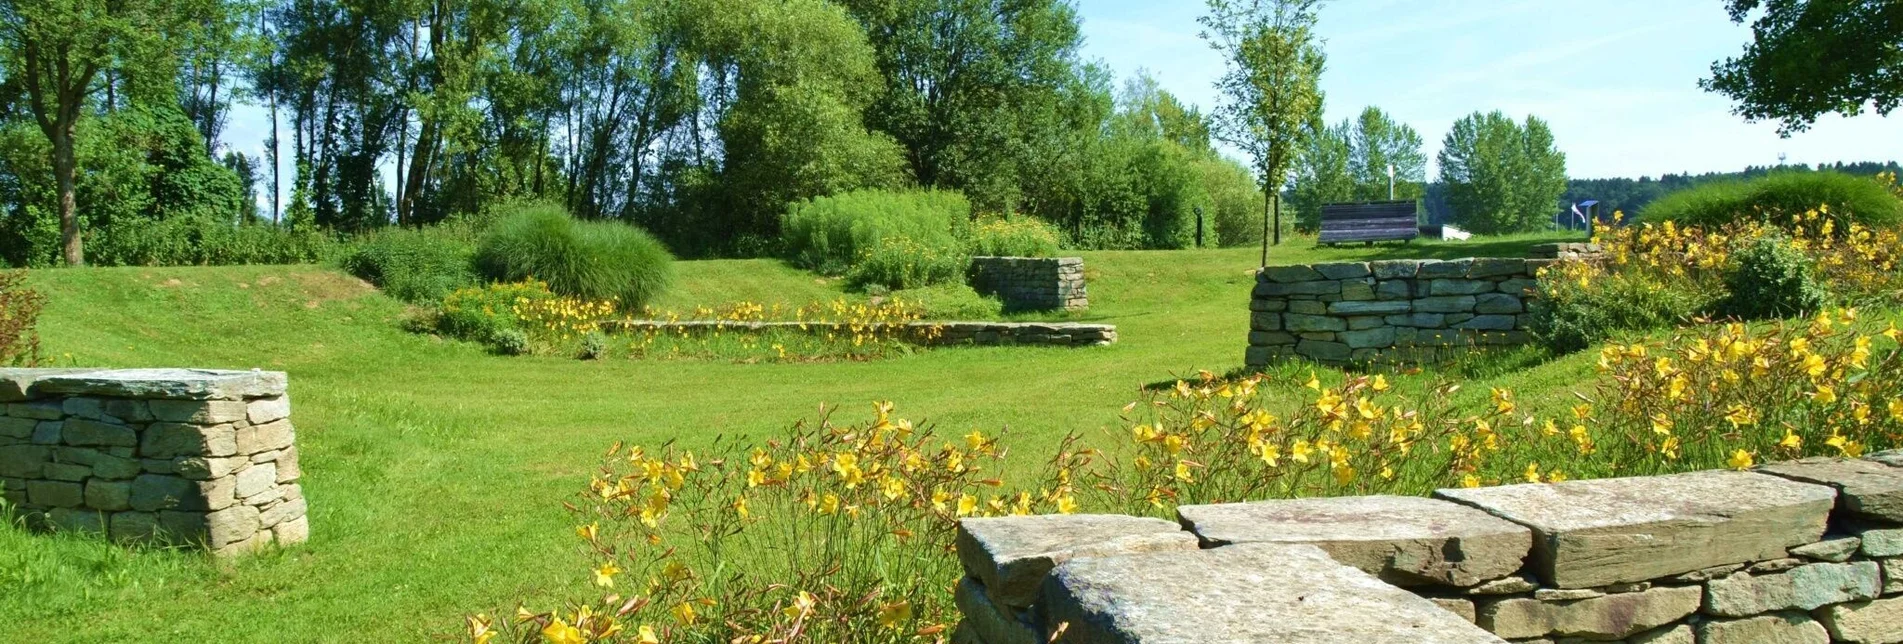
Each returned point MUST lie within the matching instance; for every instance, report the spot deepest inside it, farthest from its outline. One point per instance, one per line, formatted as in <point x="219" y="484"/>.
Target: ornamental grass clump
<point x="872" y="237"/>
<point x="589" y="260"/>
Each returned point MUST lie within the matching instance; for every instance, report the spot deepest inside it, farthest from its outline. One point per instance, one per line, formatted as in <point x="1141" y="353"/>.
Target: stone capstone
<point x="1867" y="490"/>
<point x="988" y="623"/>
<point x="1257" y="592"/>
<point x="1402" y="540"/>
<point x="1866" y="622"/>
<point x="1833" y="550"/>
<point x="1010" y="556"/>
<point x="195" y="384"/>
<point x="1591" y="533"/>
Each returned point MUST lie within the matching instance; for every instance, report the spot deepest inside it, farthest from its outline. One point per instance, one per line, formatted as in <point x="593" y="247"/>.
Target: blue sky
<point x="1617" y="79"/>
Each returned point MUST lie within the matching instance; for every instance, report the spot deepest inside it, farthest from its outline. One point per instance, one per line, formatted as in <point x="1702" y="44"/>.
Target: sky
<point x="1616" y="79"/>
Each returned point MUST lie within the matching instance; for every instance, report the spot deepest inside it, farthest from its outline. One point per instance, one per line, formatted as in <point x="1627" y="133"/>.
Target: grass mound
<point x="1775" y="198"/>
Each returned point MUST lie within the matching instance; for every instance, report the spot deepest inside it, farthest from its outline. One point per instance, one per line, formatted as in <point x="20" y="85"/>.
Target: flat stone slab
<point x="189" y="384"/>
<point x="1260" y="593"/>
<point x="17" y="384"/>
<point x="1802" y="588"/>
<point x="1010" y="556"/>
<point x="1867" y="489"/>
<point x="1404" y="540"/>
<point x="1594" y="533"/>
<point x="1609" y="617"/>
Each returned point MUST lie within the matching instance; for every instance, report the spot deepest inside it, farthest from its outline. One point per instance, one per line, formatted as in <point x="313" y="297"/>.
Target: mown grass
<point x="436" y="471"/>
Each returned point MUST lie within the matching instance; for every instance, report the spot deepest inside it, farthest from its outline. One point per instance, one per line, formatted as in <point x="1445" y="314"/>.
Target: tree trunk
<point x="1278" y="217"/>
<point x="64" y="169"/>
<point x="1265" y="226"/>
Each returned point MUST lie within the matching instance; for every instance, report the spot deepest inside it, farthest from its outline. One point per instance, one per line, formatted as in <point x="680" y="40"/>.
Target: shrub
<point x="593" y="346"/>
<point x="511" y="342"/>
<point x="1014" y="237"/>
<point x="20" y="307"/>
<point x="901" y="263"/>
<point x="1775" y="198"/>
<point x="835" y="235"/>
<point x="413" y="265"/>
<point x="202" y="241"/>
<point x="589" y="260"/>
<point x="479" y="313"/>
<point x="1768" y="278"/>
<point x="1580" y="305"/>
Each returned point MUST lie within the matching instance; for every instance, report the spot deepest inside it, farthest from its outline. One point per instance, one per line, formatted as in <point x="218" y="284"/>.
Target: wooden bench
<point x="1369" y="221"/>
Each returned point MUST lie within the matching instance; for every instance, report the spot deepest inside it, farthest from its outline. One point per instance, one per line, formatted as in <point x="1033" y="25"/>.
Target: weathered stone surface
<point x="1892" y="457"/>
<point x="47" y="432"/>
<point x="1608" y="617"/>
<point x="1285" y="274"/>
<point x="282" y="512"/>
<point x="293" y="531"/>
<point x="1780" y="628"/>
<point x="79" y="431"/>
<point x="1865" y="489"/>
<point x="1389" y="307"/>
<point x="1258" y="592"/>
<point x="1505" y="586"/>
<point x="161" y="492"/>
<point x="133" y="526"/>
<point x="218" y="493"/>
<point x="1459" y="287"/>
<point x="79" y="520"/>
<point x="38" y="410"/>
<point x="1300" y="323"/>
<point x="131" y="411"/>
<point x="1324" y="350"/>
<point x="1496" y="267"/>
<point x="1882" y="542"/>
<point x="66" y="472"/>
<point x="1343" y="270"/>
<point x="1265" y="322"/>
<point x="1867" y="622"/>
<point x="1774" y="566"/>
<point x="1833" y="550"/>
<point x="1011" y="555"/>
<point x="17" y="427"/>
<point x="1392" y="290"/>
<point x="1565" y="594"/>
<point x="231" y="525"/>
<point x="55" y="494"/>
<point x="195" y="384"/>
<point x="1489" y="323"/>
<point x="203" y="412"/>
<point x="1597" y="532"/>
<point x="256" y="479"/>
<point x="1403" y="540"/>
<point x="264" y="410"/>
<point x="1375" y="338"/>
<point x="199" y="468"/>
<point x="988" y="623"/>
<point x="17" y="384"/>
<point x="24" y="461"/>
<point x="1497" y="303"/>
<point x="1802" y="588"/>
<point x="259" y="438"/>
<point x="1892" y="576"/>
<point x="109" y="495"/>
<point x="1680" y="634"/>
<point x="1705" y="574"/>
<point x="1451" y="304"/>
<point x="1446" y="268"/>
<point x="1456" y="605"/>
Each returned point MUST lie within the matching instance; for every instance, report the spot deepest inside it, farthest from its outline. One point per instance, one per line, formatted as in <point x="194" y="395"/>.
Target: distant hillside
<point x="1631" y="195"/>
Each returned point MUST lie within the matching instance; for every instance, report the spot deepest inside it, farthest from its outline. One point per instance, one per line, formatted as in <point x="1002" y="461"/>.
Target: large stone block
<point x="1265" y="322"/>
<point x="1395" y="269"/>
<point x="1498" y="303"/>
<point x="78" y="520"/>
<point x="55" y="494"/>
<point x="152" y="492"/>
<point x="266" y="437"/>
<point x="109" y="495"/>
<point x="1298" y="323"/>
<point x="1375" y="338"/>
<point x="195" y="384"/>
<point x="1449" y="304"/>
<point x="1403" y="540"/>
<point x="1324" y="350"/>
<point x="1865" y="489"/>
<point x="1459" y="287"/>
<point x="80" y="431"/>
<point x="991" y="624"/>
<point x="17" y="427"/>
<point x="24" y="461"/>
<point x="1286" y="274"/>
<point x="1598" y="532"/>
<point x="1012" y="555"/>
<point x="1389" y="307"/>
<point x="1496" y="267"/>
<point x="1598" y="618"/>
<point x="1488" y="323"/>
<point x="1801" y="588"/>
<point x="231" y="525"/>
<point x="1343" y="270"/>
<point x="202" y="412"/>
<point x="265" y="410"/>
<point x="1877" y="621"/>
<point x="1258" y="592"/>
<point x="1781" y="628"/>
<point x="256" y="479"/>
<point x="1443" y="269"/>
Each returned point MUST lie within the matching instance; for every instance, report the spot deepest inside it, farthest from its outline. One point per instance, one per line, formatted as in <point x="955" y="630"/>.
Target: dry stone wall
<point x="1808" y="551"/>
<point x="181" y="456"/>
<point x="1032" y="283"/>
<point x="1395" y="310"/>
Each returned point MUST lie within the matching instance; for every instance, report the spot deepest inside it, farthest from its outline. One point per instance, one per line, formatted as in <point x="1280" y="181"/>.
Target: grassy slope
<point x="436" y="471"/>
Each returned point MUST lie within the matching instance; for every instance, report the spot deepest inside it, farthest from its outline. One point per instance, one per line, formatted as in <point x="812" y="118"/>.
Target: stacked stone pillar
<point x="1032" y="283"/>
<point x="175" y="456"/>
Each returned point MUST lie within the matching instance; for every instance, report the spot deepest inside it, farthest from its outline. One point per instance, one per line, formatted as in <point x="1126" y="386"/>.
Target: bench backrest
<point x="1368" y="221"/>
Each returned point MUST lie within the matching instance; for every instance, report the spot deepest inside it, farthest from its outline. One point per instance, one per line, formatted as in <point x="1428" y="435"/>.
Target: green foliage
<point x="1379" y="142"/>
<point x="1808" y="58"/>
<point x="1234" y="217"/>
<point x="892" y="239"/>
<point x="594" y="346"/>
<point x="414" y="264"/>
<point x="1770" y="279"/>
<point x="511" y="342"/>
<point x="1271" y="88"/>
<point x="1501" y="176"/>
<point x="199" y="241"/>
<point x="950" y="301"/>
<point x="480" y="313"/>
<point x="1014" y="237"/>
<point x="1774" y="198"/>
<point x="1570" y="316"/>
<point x="1323" y="172"/>
<point x="584" y="259"/>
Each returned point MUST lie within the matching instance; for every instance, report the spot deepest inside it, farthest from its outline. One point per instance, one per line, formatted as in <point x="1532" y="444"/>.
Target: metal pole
<point x="1390" y="182"/>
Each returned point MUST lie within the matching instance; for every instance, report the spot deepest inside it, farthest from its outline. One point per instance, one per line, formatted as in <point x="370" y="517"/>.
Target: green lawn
<point x="436" y="471"/>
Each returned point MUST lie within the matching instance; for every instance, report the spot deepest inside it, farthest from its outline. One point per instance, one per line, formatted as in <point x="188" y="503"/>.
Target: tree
<point x="1271" y="87"/>
<point x="58" y="52"/>
<point x="1380" y="143"/>
<point x="1324" y="172"/>
<point x="1500" y="176"/>
<point x="1812" y="57"/>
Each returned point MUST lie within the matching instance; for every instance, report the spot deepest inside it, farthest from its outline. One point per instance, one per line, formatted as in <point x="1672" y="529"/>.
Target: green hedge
<point x="414" y="264"/>
<point x="875" y="237"/>
<point x="587" y="259"/>
<point x="1775" y="197"/>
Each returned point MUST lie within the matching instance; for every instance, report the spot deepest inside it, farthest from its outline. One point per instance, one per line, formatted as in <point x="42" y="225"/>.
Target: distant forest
<point x="1631" y="195"/>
